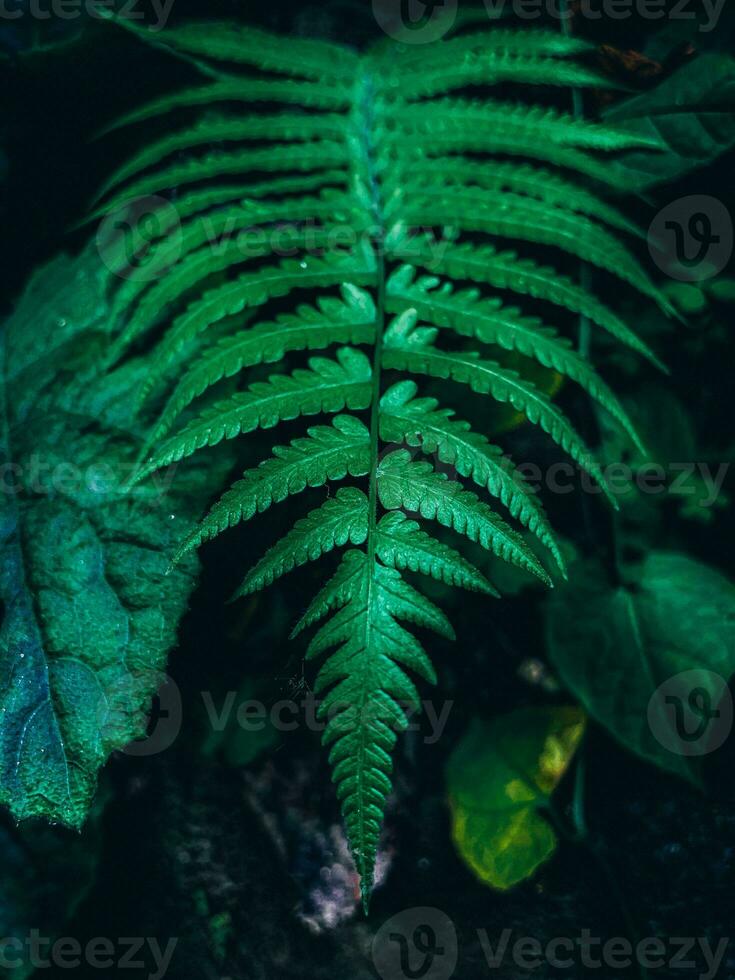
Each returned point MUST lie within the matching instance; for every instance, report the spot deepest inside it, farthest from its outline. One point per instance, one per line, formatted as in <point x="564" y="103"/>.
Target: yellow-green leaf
<point x="500" y="776"/>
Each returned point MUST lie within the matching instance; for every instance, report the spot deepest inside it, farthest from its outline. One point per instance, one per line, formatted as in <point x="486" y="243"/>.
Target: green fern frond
<point x="402" y="545"/>
<point x="366" y="687"/>
<point x="442" y="176"/>
<point x="482" y="69"/>
<point x="327" y="386"/>
<point x="254" y="289"/>
<point x="508" y="215"/>
<point x="467" y="124"/>
<point x="283" y="126"/>
<point x="180" y="275"/>
<point x="364" y="145"/>
<point x="310" y="95"/>
<point x="507" y="270"/>
<point x="316" y="155"/>
<point x="198" y="201"/>
<point x="468" y="314"/>
<point x="409" y="348"/>
<point x="326" y="455"/>
<point x="420" y="422"/>
<point x="296" y="57"/>
<point x="500" y="40"/>
<point x="417" y="487"/>
<point x="216" y="242"/>
<point x="340" y="520"/>
<point x="351" y="321"/>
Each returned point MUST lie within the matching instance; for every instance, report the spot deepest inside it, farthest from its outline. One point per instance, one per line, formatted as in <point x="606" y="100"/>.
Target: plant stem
<point x="581" y="836"/>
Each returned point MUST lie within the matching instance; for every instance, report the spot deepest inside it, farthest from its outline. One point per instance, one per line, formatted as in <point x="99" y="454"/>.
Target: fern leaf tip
<point x="366" y="894"/>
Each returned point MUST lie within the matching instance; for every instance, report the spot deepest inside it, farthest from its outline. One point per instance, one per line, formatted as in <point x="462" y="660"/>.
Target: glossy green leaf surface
<point x="499" y="777"/>
<point x="690" y="112"/>
<point x="89" y="611"/>
<point x="650" y="660"/>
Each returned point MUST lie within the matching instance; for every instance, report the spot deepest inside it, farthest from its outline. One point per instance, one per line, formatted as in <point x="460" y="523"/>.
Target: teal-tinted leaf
<point x="402" y="544"/>
<point x="691" y="113"/>
<point x="326" y="386"/>
<point x="89" y="613"/>
<point x="417" y="487"/>
<point x="224" y="41"/>
<point x="650" y="660"/>
<point x="351" y="321"/>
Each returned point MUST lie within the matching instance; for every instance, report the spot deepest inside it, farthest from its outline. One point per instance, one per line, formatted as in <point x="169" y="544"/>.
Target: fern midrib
<point x="365" y="117"/>
<point x="366" y="124"/>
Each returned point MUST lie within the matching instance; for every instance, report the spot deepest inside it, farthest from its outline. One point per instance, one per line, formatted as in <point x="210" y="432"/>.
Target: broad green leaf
<point x="89" y="611"/>
<point x="650" y="660"/>
<point x="499" y="777"/>
<point x="691" y="113"/>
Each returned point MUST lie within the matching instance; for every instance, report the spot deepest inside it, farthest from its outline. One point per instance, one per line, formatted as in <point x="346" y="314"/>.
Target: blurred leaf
<point x="691" y="112"/>
<point x="31" y="897"/>
<point x="665" y="426"/>
<point x="723" y="290"/>
<point x="621" y="651"/>
<point x="688" y="298"/>
<point x="675" y="468"/>
<point x="499" y="777"/>
<point x="242" y="728"/>
<point x="683" y="36"/>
